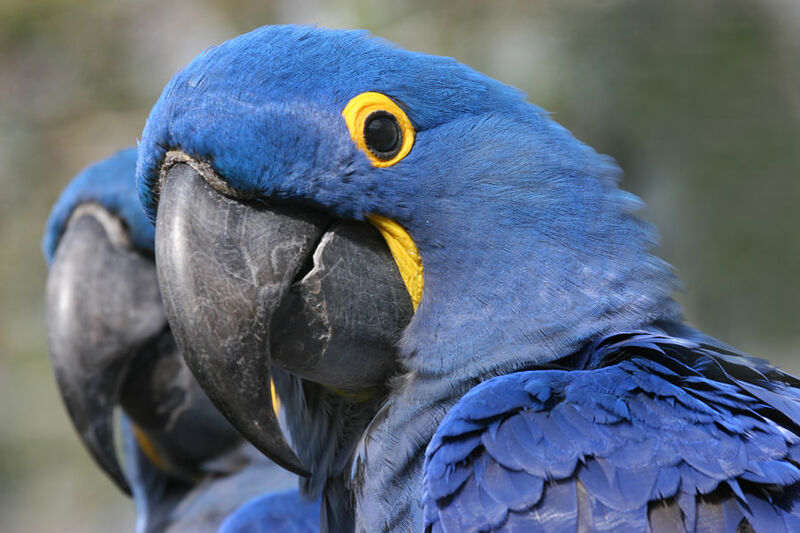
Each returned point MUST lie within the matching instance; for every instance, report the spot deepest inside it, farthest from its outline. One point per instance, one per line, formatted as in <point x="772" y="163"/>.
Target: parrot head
<point x="510" y="237"/>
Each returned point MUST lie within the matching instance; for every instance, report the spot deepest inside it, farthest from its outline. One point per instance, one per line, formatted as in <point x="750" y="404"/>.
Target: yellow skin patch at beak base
<point x="148" y="448"/>
<point x="276" y="400"/>
<point x="405" y="255"/>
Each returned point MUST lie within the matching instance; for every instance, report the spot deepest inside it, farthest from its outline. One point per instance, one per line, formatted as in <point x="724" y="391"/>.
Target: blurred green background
<point x="699" y="101"/>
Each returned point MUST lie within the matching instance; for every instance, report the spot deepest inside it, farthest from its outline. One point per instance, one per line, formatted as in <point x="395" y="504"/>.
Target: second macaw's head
<point x="110" y="346"/>
<point x="107" y="333"/>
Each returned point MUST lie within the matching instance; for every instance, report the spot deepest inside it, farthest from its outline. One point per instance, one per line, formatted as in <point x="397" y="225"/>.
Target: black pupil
<point x="382" y="135"/>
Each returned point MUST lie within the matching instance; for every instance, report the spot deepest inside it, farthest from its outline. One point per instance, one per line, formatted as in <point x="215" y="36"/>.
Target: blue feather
<point x="268" y="513"/>
<point x="637" y="426"/>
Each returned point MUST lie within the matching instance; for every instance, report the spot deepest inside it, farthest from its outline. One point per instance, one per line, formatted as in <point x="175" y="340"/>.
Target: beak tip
<point x="101" y="450"/>
<point x="121" y="482"/>
<point x="272" y="444"/>
<point x="296" y="467"/>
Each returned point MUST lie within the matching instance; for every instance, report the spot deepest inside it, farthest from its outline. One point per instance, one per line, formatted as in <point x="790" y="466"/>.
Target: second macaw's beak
<point x="247" y="286"/>
<point x="110" y="346"/>
<point x="103" y="305"/>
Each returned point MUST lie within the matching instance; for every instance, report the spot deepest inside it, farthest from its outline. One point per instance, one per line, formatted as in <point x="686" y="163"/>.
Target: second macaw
<point x="188" y="469"/>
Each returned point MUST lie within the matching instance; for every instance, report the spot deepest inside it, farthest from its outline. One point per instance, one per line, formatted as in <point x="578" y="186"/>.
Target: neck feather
<point x="324" y="429"/>
<point x="562" y="262"/>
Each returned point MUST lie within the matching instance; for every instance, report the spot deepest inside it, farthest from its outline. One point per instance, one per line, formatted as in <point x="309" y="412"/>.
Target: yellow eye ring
<point x="379" y="128"/>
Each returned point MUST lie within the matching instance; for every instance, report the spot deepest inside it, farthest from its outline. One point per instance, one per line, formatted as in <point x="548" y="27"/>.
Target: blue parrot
<point x="545" y="380"/>
<point x="188" y="469"/>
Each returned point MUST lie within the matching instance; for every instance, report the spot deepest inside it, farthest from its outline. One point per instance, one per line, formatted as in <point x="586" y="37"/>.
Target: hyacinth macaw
<point x="545" y="382"/>
<point x="187" y="467"/>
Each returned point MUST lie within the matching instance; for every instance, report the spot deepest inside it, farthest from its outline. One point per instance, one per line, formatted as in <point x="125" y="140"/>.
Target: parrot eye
<point x="379" y="127"/>
<point x="382" y="135"/>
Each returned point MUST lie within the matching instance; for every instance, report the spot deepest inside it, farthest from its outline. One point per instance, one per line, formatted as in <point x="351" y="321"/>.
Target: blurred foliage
<point x="698" y="101"/>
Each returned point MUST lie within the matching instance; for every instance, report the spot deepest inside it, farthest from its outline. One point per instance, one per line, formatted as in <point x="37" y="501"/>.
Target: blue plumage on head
<point x="491" y="179"/>
<point x="110" y="184"/>
<point x="266" y="107"/>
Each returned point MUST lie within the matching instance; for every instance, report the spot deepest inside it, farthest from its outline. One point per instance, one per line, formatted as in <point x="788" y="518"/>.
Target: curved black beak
<point x="224" y="268"/>
<point x="103" y="304"/>
<point x="247" y="286"/>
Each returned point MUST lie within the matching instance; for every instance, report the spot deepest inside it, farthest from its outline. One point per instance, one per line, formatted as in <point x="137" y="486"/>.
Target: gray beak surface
<point x="247" y="286"/>
<point x="103" y="304"/>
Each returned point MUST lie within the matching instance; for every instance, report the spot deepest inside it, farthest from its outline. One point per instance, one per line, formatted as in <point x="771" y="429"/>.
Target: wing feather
<point x="654" y="431"/>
